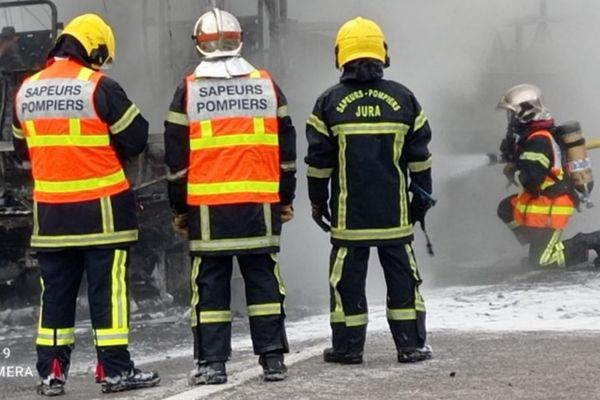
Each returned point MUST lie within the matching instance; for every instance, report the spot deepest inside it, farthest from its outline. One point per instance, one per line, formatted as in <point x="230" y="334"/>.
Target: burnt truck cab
<point x="28" y="30"/>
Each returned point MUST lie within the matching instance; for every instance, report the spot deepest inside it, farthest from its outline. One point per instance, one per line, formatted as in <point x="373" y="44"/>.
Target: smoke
<point x="457" y="56"/>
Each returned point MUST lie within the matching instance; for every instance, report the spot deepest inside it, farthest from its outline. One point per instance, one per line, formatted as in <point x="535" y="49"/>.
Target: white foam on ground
<point x="493" y="308"/>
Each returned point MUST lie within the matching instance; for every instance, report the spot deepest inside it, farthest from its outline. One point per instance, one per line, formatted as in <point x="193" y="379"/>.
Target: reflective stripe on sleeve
<point x="125" y="120"/>
<point x="420" y="121"/>
<point x="315" y="172"/>
<point x="319" y="125"/>
<point x="537" y="157"/>
<point x="419" y="166"/>
<point x="178" y="118"/>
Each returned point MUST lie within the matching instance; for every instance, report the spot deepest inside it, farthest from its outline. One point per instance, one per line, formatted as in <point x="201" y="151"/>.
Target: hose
<point x="592" y="144"/>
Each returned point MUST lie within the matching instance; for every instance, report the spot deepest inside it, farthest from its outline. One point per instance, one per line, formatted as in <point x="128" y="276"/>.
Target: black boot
<point x="273" y="367"/>
<point x="208" y="373"/>
<point x="134" y="379"/>
<point x="330" y="356"/>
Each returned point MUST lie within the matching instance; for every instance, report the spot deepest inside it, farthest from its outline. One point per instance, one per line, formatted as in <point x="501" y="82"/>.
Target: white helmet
<point x="524" y="102"/>
<point x="218" y="34"/>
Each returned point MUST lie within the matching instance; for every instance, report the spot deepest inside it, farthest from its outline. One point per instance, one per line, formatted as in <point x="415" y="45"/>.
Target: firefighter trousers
<point x="405" y="306"/>
<point x="61" y="275"/>
<point x="545" y="245"/>
<point x="210" y="304"/>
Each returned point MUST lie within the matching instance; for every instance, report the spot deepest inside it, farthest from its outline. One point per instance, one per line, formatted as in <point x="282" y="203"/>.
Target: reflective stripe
<point x="30" y="125"/>
<point x="196" y="261"/>
<point x="315" y="172"/>
<point x="79" y="185"/>
<point x="277" y="273"/>
<point x="420" y="121"/>
<point x="419" y="166"/>
<point x="338" y="317"/>
<point x="17" y="132"/>
<point x="204" y="223"/>
<point x="343" y="185"/>
<point x="85" y="73"/>
<point x="234" y="244"/>
<point x="554" y="251"/>
<point x="372" y="234"/>
<point x="178" y="118"/>
<point x="233" y="140"/>
<point x="111" y="337"/>
<point x="55" y="337"/>
<point x="288" y="166"/>
<point x="84" y="240"/>
<point x="215" y="317"/>
<point x="401" y="314"/>
<point x="283" y="112"/>
<point x="402" y="192"/>
<point x="232" y="187"/>
<point x="259" y="126"/>
<point x="68" y="140"/>
<point x="118" y="294"/>
<point x="319" y="125"/>
<point x="125" y="120"/>
<point x="261" y="310"/>
<point x="513" y="224"/>
<point x="334" y="279"/>
<point x="108" y="225"/>
<point x="357" y="320"/>
<point x="545" y="210"/>
<point x="419" y="302"/>
<point x="268" y="219"/>
<point x="539" y="157"/>
<point x="373" y="128"/>
<point x="36" y="221"/>
<point x="75" y="127"/>
<point x="206" y="128"/>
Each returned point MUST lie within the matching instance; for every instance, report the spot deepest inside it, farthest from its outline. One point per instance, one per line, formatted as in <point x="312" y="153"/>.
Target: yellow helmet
<point x="96" y="37"/>
<point x="360" y="38"/>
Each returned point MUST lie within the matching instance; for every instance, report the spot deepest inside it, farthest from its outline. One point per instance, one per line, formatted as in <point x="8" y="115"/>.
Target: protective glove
<point x="287" y="213"/>
<point x="509" y="171"/>
<point x="180" y="225"/>
<point x="320" y="212"/>
<point x="418" y="208"/>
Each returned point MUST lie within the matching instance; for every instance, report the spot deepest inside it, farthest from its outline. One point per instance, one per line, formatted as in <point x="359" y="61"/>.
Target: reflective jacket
<point x="65" y="120"/>
<point x="365" y="135"/>
<point x="546" y="204"/>
<point x="233" y="125"/>
<point x="231" y="151"/>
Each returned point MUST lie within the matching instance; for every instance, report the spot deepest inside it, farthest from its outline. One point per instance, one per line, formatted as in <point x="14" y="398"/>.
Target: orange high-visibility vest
<point x="69" y="145"/>
<point x="543" y="211"/>
<point x="233" y="135"/>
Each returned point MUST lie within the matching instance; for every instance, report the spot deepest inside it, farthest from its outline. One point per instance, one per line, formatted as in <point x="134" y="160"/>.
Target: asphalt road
<point x="534" y="365"/>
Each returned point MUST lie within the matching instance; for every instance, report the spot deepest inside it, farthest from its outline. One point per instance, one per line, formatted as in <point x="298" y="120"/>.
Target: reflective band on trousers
<point x="349" y="320"/>
<point x="111" y="337"/>
<point x="261" y="310"/>
<point x="55" y="337"/>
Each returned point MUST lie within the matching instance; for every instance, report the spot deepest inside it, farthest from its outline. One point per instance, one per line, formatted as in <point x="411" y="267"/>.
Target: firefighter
<point x="368" y="137"/>
<point x="77" y="127"/>
<point x="539" y="213"/>
<point x="230" y="150"/>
